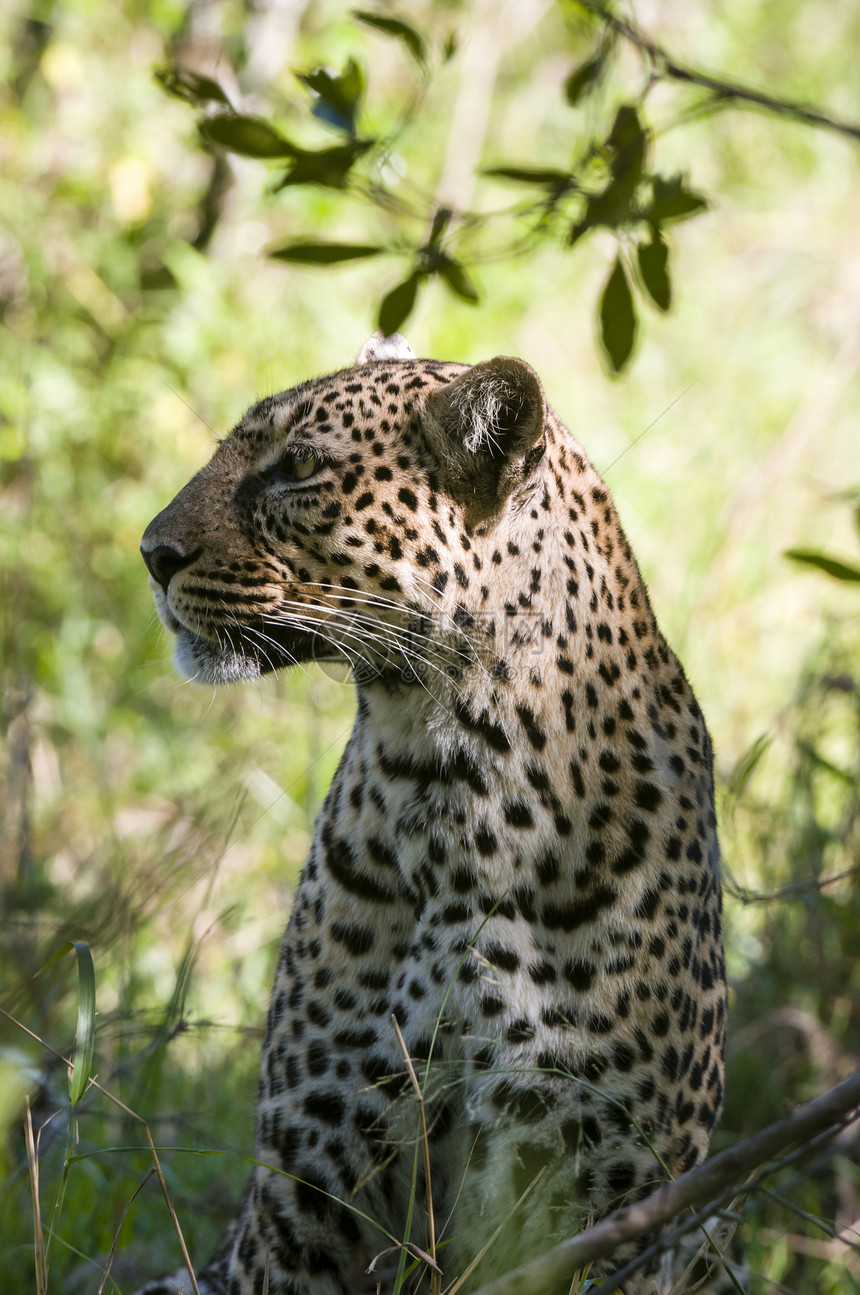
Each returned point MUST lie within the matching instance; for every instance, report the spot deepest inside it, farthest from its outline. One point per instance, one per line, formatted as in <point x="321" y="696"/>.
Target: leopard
<point x="499" y="1007"/>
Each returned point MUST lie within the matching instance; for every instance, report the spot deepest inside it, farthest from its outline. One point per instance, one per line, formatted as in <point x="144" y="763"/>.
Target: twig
<point x="724" y="90"/>
<point x="835" y="1233"/>
<point x="744" y="895"/>
<point x="718" y="1177"/>
<point x="435" y="1270"/>
<point x="832" y="1251"/>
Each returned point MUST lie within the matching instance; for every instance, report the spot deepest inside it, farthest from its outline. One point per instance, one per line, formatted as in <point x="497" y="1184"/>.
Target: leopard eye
<point x="303" y="466"/>
<point x="291" y="467"/>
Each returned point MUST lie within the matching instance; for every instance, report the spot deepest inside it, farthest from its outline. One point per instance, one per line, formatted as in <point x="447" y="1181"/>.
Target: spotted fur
<point x="517" y="858"/>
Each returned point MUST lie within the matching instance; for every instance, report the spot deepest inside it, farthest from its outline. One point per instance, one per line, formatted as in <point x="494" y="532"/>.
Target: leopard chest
<point x="486" y="894"/>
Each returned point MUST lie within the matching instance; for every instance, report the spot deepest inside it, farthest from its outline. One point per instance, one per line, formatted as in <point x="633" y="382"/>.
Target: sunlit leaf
<point x="330" y="167"/>
<point x="324" y="253"/>
<point x="82" y="1066"/>
<point x="249" y="136"/>
<point x="834" y="567"/>
<point x="654" y="269"/>
<point x="458" y="280"/>
<point x="404" y="31"/>
<point x="617" y="318"/>
<point x="747" y="764"/>
<point x="339" y="97"/>
<point x="398" y="305"/>
<point x="672" y="200"/>
<point x="86" y="1031"/>
<point x="191" y="86"/>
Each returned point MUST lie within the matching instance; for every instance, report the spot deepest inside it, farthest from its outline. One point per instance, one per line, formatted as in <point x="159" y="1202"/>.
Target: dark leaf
<point x="246" y="135"/>
<point x="339" y="97"/>
<point x="398" y="305"/>
<point x="450" y="45"/>
<point x="654" y="269"/>
<point x="577" y="230"/>
<point x="412" y="39"/>
<point x="672" y="200"/>
<point x="627" y="143"/>
<point x="584" y="78"/>
<point x="330" y="167"/>
<point x="457" y="279"/>
<point x="441" y="221"/>
<point x="324" y="253"/>
<point x="613" y="206"/>
<point x="541" y="175"/>
<point x="627" y="151"/>
<point x="821" y="562"/>
<point x="191" y="86"/>
<point x="157" y="277"/>
<point x="617" y="318"/>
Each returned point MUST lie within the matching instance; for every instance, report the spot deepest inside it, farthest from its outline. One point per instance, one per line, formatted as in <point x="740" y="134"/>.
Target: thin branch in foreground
<point x="724" y="91"/>
<point x="723" y="1175"/>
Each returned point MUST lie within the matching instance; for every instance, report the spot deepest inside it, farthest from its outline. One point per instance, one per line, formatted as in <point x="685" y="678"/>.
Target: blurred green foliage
<point x="164" y="825"/>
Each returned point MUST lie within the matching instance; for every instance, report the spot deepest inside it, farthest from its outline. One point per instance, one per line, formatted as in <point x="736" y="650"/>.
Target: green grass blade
<point x="85" y="1035"/>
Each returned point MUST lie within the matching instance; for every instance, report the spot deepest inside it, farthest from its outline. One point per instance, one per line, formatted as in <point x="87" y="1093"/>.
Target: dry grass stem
<point x="435" y="1271"/>
<point x="38" y="1238"/>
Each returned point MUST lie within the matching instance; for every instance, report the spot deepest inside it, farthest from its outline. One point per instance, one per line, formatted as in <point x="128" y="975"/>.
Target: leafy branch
<point x="725" y="93"/>
<point x="611" y="183"/>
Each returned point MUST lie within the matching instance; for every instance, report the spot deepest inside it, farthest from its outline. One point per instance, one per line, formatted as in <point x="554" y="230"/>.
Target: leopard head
<point x="354" y="517"/>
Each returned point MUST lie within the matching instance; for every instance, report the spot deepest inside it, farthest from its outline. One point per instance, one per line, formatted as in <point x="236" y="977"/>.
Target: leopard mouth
<point x="218" y="651"/>
<point x="227" y="652"/>
<point x="246" y="651"/>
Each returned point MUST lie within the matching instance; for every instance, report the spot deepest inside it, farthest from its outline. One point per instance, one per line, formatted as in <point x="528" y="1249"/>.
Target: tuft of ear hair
<point x="487" y="430"/>
<point x="380" y="347"/>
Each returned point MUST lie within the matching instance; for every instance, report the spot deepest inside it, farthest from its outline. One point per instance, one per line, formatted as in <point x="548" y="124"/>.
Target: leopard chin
<point x="246" y="652"/>
<point x="201" y="661"/>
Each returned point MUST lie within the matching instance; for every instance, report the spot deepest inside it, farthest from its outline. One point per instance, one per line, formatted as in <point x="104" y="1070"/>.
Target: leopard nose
<point x="164" y="561"/>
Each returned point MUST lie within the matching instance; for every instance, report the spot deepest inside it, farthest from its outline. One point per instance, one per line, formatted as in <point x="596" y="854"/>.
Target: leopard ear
<point x="380" y="347"/>
<point x="487" y="429"/>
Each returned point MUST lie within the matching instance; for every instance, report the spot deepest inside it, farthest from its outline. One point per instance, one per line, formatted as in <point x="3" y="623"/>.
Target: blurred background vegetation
<point x="165" y="825"/>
